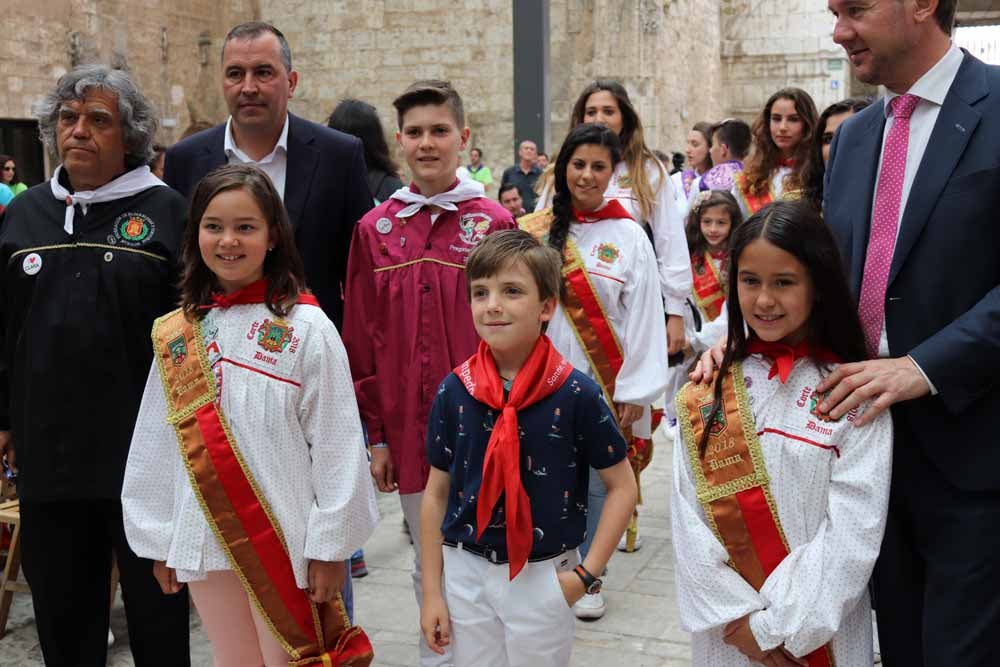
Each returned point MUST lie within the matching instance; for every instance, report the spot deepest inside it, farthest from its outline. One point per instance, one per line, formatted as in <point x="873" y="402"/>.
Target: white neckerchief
<point x="464" y="191"/>
<point x="126" y="185"/>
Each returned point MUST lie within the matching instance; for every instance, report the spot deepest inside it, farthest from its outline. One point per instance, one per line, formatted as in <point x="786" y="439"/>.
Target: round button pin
<point x="32" y="264"/>
<point x="108" y="256"/>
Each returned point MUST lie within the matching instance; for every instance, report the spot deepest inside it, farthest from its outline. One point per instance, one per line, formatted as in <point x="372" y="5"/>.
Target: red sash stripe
<point x="577" y="279"/>
<point x="265" y="540"/>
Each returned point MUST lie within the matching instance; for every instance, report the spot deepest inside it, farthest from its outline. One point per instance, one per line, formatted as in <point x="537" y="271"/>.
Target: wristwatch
<point x="591" y="584"/>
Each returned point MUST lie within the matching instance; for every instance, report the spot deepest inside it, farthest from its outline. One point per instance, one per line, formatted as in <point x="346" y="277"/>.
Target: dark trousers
<point x="66" y="549"/>
<point x="937" y="580"/>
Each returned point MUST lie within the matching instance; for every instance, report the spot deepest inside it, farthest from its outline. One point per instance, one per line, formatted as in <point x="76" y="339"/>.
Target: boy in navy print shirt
<point x="518" y="426"/>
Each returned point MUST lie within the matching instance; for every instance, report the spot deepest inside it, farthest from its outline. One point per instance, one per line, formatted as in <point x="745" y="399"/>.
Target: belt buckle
<point x="492" y="555"/>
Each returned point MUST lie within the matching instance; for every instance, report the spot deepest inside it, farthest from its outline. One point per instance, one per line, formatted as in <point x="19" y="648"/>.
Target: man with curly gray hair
<point x="89" y="259"/>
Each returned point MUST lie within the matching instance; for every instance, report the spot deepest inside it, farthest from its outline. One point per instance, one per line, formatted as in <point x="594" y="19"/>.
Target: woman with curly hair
<point x="781" y="135"/>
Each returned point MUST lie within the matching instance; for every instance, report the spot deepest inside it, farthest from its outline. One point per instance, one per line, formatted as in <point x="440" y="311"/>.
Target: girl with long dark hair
<point x="276" y="450"/>
<point x="781" y="136"/>
<point x="777" y="510"/>
<point x="641" y="184"/>
<point x="610" y="322"/>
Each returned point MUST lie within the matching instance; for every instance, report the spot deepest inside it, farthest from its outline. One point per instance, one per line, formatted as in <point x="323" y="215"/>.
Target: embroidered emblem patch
<point x="274" y="336"/>
<point x="132" y="229"/>
<point x="178" y="350"/>
<point x="814" y="401"/>
<point x="718" y="425"/>
<point x="474" y="227"/>
<point x="32" y="264"/>
<point x="607" y="253"/>
<point x="383" y="225"/>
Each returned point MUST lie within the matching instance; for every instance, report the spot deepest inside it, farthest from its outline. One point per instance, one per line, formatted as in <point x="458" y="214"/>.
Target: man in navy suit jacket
<point x="319" y="172"/>
<point x="937" y="582"/>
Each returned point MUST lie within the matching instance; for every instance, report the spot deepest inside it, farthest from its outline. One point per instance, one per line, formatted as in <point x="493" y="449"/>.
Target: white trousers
<point x="410" y="503"/>
<point x="496" y="622"/>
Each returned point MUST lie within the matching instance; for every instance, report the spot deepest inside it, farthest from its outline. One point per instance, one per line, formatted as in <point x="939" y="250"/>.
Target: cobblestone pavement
<point x="641" y="628"/>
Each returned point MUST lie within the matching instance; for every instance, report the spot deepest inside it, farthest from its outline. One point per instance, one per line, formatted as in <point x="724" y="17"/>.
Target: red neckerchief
<point x="786" y="162"/>
<point x="719" y="255"/>
<point x="255" y="292"/>
<point x="783" y="356"/>
<point x="544" y="372"/>
<point x="612" y="210"/>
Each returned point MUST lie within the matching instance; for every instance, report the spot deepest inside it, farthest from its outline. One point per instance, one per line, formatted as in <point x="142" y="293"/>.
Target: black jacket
<point x="326" y="193"/>
<point x="75" y="346"/>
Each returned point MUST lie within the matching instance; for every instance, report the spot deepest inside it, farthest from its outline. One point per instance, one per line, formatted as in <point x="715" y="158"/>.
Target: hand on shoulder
<point x="884" y="382"/>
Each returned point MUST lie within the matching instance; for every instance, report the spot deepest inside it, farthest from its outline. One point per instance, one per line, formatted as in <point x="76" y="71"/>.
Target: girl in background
<point x="781" y="136"/>
<point x="819" y="151"/>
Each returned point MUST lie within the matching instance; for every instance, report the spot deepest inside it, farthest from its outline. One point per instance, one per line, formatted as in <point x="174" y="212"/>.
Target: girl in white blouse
<point x="794" y="591"/>
<point x="283" y="384"/>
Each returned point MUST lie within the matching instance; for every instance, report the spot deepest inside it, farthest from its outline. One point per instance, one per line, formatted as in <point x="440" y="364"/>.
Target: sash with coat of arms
<point x="239" y="515"/>
<point x="731" y="481"/>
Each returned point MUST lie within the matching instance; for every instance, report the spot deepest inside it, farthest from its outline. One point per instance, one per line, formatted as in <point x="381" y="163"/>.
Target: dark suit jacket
<point x="943" y="297"/>
<point x="326" y="193"/>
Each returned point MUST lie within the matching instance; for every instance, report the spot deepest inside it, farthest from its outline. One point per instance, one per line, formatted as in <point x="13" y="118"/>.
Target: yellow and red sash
<point x="708" y="291"/>
<point x="752" y="202"/>
<point x="731" y="482"/>
<point x="239" y="513"/>
<point x="593" y="330"/>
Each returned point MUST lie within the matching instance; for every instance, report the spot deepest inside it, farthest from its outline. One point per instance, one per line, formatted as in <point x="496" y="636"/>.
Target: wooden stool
<point x="10" y="514"/>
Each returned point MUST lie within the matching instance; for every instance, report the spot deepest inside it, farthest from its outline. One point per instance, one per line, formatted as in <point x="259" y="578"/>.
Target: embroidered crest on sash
<point x="274" y="336"/>
<point x="178" y="350"/>
<point x="719" y="424"/>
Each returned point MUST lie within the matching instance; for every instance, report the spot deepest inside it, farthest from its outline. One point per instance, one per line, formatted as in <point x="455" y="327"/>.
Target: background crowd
<point x="906" y="186"/>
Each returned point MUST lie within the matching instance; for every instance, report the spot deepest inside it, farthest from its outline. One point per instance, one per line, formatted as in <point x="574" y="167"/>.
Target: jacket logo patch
<point x="132" y="229"/>
<point x="474" y="227"/>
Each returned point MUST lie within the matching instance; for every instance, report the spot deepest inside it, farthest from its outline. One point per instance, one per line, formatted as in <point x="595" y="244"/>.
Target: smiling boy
<point x="407" y="321"/>
<point x="512" y="436"/>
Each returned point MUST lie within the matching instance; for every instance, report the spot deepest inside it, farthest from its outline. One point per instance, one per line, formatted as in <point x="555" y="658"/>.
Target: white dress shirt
<point x="274" y="164"/>
<point x="931" y="88"/>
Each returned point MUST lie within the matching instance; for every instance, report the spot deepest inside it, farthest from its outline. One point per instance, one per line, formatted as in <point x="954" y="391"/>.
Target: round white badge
<point x="32" y="264"/>
<point x="384" y="225"/>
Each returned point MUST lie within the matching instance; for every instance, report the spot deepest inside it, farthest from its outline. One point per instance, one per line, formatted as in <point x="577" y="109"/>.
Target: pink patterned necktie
<point x="885" y="221"/>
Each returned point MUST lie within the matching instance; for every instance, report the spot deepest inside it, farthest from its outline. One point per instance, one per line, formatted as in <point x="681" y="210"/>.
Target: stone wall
<point x="373" y="49"/>
<point x="665" y="52"/>
<point x="770" y="44"/>
<point x="171" y="47"/>
<point x="681" y="60"/>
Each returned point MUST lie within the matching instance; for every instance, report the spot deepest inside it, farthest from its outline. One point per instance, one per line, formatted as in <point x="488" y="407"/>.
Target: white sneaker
<point x="111" y="638"/>
<point x="622" y="543"/>
<point x="590" y="607"/>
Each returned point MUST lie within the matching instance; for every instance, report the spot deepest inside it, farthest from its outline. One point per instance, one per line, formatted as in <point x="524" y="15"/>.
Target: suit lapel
<point x="956" y="123"/>
<point x="865" y="149"/>
<point x="300" y="169"/>
<point x="213" y="153"/>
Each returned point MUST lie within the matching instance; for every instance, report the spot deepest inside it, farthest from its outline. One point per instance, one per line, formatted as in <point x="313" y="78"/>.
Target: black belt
<point x="499" y="556"/>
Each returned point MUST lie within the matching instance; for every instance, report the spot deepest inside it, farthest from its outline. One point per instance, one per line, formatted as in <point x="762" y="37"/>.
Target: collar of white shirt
<point x="933" y="86"/>
<point x="232" y="149"/>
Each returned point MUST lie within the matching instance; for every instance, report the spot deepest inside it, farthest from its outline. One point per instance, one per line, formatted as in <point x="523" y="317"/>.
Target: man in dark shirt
<point x="525" y="173"/>
<point x="89" y="260"/>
